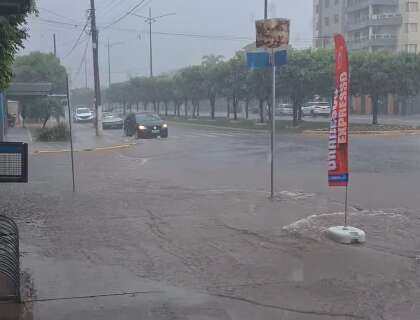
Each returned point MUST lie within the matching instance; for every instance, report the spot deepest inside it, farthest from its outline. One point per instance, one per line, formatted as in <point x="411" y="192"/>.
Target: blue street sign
<point x="256" y="60"/>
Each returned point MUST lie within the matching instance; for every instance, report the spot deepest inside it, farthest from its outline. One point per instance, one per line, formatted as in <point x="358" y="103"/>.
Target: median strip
<point x="121" y="146"/>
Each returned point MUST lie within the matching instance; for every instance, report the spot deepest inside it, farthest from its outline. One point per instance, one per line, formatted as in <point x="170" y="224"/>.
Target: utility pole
<point x="150" y="20"/>
<point x="109" y="64"/>
<point x="110" y="45"/>
<point x="55" y="46"/>
<point x="95" y="47"/>
<point x="86" y="75"/>
<point x="150" y="43"/>
<point x="265" y="9"/>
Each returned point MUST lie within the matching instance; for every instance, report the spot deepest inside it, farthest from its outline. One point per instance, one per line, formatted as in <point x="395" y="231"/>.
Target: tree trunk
<point x="45" y="121"/>
<point x="261" y="106"/>
<point x="235" y="108"/>
<point x="375" y="110"/>
<point x="228" y="109"/>
<point x="198" y="109"/>
<point x="137" y="106"/>
<point x="166" y="109"/>
<point x="186" y="108"/>
<point x="295" y="114"/>
<point x="300" y="113"/>
<point x="246" y="109"/>
<point x="124" y="109"/>
<point x="212" y="107"/>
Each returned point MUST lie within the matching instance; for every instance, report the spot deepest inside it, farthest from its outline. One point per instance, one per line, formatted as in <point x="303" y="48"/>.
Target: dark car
<point x="145" y="125"/>
<point x="111" y="121"/>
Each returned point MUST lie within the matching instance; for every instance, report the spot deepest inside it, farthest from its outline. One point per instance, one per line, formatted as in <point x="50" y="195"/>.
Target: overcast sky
<point x="232" y="19"/>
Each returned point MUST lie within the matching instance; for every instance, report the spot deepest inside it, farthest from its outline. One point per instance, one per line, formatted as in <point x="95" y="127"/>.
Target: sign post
<point x="338" y="144"/>
<point x="272" y="34"/>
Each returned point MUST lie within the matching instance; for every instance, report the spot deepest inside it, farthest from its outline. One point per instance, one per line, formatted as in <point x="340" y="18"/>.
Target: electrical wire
<point x="78" y="40"/>
<point x="56" y="14"/>
<point x="137" y="6"/>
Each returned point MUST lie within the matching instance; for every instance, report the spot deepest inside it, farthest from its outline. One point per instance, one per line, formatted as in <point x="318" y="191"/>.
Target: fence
<point x="9" y="260"/>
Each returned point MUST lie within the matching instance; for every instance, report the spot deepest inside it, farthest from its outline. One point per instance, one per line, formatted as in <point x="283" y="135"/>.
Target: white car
<point x="284" y="110"/>
<point x="322" y="111"/>
<point x="83" y="114"/>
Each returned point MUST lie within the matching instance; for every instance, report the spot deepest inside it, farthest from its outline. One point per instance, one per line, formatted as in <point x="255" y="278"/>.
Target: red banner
<point x="338" y="169"/>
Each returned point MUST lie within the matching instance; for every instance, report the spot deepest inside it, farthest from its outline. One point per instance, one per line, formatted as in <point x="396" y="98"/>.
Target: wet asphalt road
<point x="181" y="228"/>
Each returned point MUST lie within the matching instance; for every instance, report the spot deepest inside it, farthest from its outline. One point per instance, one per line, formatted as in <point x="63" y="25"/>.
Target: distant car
<point x="111" y="121"/>
<point x="323" y="110"/>
<point x="308" y="109"/>
<point x="284" y="110"/>
<point x="83" y="114"/>
<point x="145" y="125"/>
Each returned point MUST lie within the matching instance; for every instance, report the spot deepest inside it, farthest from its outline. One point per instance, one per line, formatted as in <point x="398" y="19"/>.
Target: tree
<point x="211" y="60"/>
<point x="82" y="97"/>
<point x="372" y="74"/>
<point x="406" y="77"/>
<point x="260" y="87"/>
<point x="298" y="79"/>
<point x="212" y="84"/>
<point x="192" y="86"/>
<point x="12" y="35"/>
<point x="45" y="108"/>
<point x="40" y="67"/>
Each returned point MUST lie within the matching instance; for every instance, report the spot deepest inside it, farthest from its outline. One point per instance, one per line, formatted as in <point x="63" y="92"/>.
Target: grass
<point x="285" y="125"/>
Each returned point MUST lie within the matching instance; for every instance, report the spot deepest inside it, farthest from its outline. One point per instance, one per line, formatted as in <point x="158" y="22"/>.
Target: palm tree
<point x="210" y="60"/>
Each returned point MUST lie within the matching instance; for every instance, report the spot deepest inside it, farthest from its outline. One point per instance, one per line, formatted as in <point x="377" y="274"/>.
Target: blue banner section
<point x="338" y="178"/>
<point x="256" y="60"/>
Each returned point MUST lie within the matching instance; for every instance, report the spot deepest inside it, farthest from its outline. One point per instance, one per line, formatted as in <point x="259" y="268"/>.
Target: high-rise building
<point x="391" y="25"/>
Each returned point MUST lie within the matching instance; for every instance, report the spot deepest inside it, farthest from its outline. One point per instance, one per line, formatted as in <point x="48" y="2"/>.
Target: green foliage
<point x="308" y="73"/>
<point x="40" y="67"/>
<point x="82" y="97"/>
<point x="12" y="34"/>
<point x="60" y="132"/>
<point x="43" y="109"/>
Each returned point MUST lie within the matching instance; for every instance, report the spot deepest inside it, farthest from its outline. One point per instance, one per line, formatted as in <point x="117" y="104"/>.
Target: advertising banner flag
<point x="338" y="168"/>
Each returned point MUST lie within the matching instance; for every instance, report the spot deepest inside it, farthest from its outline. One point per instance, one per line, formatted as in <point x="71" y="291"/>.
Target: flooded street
<point x="182" y="229"/>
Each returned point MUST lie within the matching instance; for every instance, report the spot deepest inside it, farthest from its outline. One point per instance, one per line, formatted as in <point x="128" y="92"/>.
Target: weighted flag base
<point x="346" y="235"/>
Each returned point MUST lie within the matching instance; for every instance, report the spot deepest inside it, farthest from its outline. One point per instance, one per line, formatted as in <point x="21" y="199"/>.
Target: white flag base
<point x="346" y="235"/>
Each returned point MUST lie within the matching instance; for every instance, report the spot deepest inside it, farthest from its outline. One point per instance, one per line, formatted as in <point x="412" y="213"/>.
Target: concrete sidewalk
<point x="83" y="140"/>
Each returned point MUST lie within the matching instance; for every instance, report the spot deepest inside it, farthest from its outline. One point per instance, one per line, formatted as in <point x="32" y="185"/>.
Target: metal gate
<point x="9" y="259"/>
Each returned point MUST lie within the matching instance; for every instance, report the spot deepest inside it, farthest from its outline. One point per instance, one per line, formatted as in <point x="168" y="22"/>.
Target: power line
<point x="56" y="14"/>
<point x="78" y="40"/>
<point x="125" y="15"/>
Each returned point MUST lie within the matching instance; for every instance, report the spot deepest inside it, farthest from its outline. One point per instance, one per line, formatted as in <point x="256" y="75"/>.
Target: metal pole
<point x="273" y="122"/>
<point x="265" y="9"/>
<point x="55" y="46"/>
<point x="150" y="43"/>
<point x="95" y="47"/>
<point x="71" y="134"/>
<point x="109" y="64"/>
<point x="346" y="207"/>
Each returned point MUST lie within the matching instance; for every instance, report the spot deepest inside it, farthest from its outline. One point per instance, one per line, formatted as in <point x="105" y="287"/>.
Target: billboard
<point x="273" y="33"/>
<point x="338" y="155"/>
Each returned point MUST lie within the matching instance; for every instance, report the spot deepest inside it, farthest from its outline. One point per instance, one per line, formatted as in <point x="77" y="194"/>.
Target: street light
<point x="150" y="20"/>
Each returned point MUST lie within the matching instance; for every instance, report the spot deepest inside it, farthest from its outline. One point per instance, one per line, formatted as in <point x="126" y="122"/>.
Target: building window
<point x="327" y="3"/>
<point x="411" y="27"/>
<point x="412" y="6"/>
<point x="327" y="21"/>
<point x="411" y="48"/>
<point x="336" y="19"/>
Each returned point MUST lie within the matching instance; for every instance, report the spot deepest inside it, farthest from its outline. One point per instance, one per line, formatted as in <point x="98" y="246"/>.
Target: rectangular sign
<point x="273" y="33"/>
<point x="338" y="168"/>
<point x="256" y="60"/>
<point x="13" y="162"/>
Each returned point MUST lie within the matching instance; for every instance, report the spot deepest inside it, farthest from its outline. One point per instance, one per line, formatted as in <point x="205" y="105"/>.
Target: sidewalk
<point x="83" y="140"/>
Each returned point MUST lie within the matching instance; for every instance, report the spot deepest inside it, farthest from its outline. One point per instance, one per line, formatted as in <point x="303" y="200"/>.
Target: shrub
<point x="60" y="132"/>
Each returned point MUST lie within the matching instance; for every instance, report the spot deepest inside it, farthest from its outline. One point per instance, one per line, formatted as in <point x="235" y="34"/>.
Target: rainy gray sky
<point x="200" y="22"/>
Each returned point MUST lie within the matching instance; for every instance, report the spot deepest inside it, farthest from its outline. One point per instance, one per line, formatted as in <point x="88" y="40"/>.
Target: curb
<point x="121" y="146"/>
<point x="371" y="133"/>
<point x="218" y="127"/>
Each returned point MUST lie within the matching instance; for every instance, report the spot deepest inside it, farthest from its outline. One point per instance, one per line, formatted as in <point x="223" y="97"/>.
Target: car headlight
<point x="141" y="127"/>
<point x="164" y="125"/>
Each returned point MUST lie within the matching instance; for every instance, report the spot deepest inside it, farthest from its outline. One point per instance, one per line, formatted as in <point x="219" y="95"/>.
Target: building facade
<point x="391" y="25"/>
